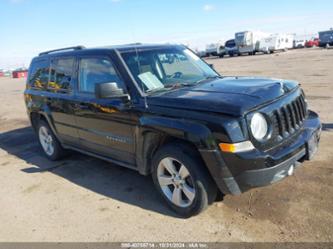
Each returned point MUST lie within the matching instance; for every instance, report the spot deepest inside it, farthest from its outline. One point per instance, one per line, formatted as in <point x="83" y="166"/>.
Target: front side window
<point x="61" y="74"/>
<point x="94" y="71"/>
<point x="39" y="74"/>
<point x="163" y="68"/>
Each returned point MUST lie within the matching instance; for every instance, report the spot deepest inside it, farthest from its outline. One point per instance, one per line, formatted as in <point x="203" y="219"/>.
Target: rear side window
<point x="61" y="74"/>
<point x="39" y="74"/>
<point x="93" y="71"/>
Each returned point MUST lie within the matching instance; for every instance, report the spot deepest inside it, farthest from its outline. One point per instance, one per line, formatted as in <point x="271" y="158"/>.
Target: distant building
<point x="20" y="73"/>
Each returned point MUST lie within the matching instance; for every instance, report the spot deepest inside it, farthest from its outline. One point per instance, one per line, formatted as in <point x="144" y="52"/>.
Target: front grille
<point x="289" y="118"/>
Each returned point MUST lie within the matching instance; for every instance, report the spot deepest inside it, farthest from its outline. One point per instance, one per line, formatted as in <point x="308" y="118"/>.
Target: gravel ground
<point x="85" y="199"/>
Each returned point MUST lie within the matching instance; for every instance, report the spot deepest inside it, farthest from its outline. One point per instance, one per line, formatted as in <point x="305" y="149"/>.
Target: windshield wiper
<point x="209" y="78"/>
<point x="173" y="86"/>
<point x="177" y="85"/>
<point x="155" y="90"/>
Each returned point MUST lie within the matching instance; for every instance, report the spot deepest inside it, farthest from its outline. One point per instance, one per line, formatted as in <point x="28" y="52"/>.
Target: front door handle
<point x="81" y="107"/>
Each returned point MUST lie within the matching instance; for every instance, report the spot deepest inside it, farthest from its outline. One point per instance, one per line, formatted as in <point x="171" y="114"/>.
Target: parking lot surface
<point x="86" y="199"/>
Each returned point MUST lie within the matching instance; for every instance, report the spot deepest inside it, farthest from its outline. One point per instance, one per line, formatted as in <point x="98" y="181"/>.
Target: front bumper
<point x="237" y="173"/>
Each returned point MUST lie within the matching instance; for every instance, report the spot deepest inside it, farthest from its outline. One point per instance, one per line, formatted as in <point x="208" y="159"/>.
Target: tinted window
<point x="93" y="71"/>
<point x="39" y="74"/>
<point x="61" y="74"/>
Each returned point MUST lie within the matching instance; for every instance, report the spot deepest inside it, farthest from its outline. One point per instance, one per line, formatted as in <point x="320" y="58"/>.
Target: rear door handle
<point x="81" y="106"/>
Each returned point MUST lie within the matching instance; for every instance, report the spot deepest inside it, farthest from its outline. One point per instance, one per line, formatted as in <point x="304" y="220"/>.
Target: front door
<point x="105" y="126"/>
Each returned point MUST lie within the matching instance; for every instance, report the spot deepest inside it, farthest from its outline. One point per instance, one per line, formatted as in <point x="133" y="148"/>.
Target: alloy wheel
<point x="176" y="182"/>
<point x="46" y="140"/>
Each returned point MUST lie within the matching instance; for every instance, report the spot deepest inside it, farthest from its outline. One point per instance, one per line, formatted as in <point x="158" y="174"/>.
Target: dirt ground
<point x="85" y="199"/>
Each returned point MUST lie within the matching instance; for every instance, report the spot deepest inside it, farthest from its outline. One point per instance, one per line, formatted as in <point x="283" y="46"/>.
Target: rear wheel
<point x="49" y="143"/>
<point x="182" y="180"/>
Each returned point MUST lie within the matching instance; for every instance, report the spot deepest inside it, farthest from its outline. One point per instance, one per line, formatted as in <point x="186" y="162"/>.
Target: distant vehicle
<point x="2" y="73"/>
<point x="230" y="48"/>
<point x="200" y="53"/>
<point x="326" y="38"/>
<point x="20" y="73"/>
<point x="7" y="73"/>
<point x="312" y="43"/>
<point x="299" y="43"/>
<point x="248" y="42"/>
<point x="215" y="49"/>
<point x="276" y="42"/>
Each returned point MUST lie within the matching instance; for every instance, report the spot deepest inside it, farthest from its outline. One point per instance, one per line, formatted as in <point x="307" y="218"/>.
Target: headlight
<point x="259" y="127"/>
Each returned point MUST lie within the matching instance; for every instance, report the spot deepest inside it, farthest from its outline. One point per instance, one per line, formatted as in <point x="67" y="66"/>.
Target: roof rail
<point x="62" y="49"/>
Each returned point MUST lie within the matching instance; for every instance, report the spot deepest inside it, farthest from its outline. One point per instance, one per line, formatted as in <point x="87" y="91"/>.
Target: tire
<point x="221" y="55"/>
<point x="48" y="142"/>
<point x="191" y="182"/>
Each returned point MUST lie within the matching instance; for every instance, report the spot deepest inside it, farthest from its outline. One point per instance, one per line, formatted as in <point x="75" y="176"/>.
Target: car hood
<point x="228" y="95"/>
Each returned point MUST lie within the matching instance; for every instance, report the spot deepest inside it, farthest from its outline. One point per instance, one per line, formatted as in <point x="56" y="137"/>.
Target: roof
<point x="121" y="48"/>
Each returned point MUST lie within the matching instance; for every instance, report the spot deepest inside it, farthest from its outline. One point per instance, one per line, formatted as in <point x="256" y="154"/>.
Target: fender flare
<point x="45" y="112"/>
<point x="149" y="132"/>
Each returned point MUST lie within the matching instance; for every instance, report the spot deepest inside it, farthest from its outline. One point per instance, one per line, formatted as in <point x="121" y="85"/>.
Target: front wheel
<point x="181" y="178"/>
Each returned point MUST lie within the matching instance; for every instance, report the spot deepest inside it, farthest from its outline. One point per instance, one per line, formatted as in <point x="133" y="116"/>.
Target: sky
<point x="28" y="27"/>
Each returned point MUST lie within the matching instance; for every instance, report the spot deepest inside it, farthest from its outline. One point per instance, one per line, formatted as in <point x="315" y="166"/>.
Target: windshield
<point x="240" y="37"/>
<point x="230" y="44"/>
<point x="164" y="68"/>
<point x="243" y="38"/>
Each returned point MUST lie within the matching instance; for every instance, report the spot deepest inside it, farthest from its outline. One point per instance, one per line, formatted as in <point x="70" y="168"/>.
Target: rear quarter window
<point x="39" y="74"/>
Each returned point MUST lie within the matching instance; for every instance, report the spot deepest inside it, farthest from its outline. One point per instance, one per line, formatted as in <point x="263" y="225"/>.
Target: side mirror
<point x="109" y="90"/>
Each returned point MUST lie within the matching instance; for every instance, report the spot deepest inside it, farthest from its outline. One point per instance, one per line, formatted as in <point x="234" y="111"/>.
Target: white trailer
<point x="215" y="49"/>
<point x="248" y="41"/>
<point x="276" y="42"/>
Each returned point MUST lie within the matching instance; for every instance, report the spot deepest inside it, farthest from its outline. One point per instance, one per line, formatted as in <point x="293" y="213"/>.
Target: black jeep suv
<point x="161" y="110"/>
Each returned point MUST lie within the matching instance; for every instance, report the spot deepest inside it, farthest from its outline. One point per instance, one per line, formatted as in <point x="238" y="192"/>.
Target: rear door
<point x="105" y="126"/>
<point x="60" y="96"/>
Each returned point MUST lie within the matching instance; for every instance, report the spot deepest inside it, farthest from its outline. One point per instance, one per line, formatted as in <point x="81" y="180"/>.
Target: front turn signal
<point x="236" y="147"/>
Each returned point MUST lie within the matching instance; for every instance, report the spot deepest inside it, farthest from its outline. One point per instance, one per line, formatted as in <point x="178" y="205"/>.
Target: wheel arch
<point x="35" y="116"/>
<point x="159" y="131"/>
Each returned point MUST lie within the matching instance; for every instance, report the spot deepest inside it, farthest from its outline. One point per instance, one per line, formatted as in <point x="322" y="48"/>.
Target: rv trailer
<point x="215" y="49"/>
<point x="248" y="42"/>
<point x="276" y="42"/>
